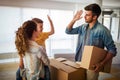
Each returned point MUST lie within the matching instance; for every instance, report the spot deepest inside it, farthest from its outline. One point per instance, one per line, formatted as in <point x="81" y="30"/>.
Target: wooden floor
<point x="8" y="72"/>
<point x="114" y="75"/>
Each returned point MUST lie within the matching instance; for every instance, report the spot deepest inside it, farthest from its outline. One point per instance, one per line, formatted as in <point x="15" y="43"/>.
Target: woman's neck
<point x="33" y="37"/>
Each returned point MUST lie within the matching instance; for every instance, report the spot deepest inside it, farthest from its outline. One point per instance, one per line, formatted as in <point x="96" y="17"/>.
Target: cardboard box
<point x="93" y="55"/>
<point x="62" y="69"/>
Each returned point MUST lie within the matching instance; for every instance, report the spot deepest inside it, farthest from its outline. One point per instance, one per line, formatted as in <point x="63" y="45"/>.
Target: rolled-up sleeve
<point x="109" y="43"/>
<point x="72" y="31"/>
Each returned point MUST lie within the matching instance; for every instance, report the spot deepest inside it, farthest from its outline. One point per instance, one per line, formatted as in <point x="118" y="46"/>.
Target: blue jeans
<point x="47" y="74"/>
<point x="18" y="77"/>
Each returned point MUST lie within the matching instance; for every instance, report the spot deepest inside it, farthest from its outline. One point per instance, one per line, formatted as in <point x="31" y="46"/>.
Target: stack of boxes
<point x="63" y="69"/>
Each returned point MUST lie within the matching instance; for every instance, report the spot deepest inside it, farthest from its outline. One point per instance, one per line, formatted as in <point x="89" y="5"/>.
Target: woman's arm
<point x="21" y="64"/>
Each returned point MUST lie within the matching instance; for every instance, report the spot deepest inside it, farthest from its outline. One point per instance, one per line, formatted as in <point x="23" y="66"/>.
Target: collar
<point x="94" y="26"/>
<point x="33" y="46"/>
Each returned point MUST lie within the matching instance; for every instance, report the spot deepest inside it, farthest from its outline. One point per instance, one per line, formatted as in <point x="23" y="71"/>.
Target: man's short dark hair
<point x="95" y="8"/>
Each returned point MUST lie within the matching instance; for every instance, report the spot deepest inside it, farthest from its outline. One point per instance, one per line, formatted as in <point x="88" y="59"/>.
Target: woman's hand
<point x="21" y="64"/>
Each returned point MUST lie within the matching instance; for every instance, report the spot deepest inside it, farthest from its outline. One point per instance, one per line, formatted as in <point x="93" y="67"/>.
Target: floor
<point x="7" y="72"/>
<point x="114" y="75"/>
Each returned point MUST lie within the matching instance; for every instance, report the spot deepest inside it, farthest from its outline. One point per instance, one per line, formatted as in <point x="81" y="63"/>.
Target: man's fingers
<point x="80" y="12"/>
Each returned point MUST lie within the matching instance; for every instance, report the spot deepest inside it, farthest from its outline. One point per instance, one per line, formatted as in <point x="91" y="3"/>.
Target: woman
<point x="34" y="56"/>
<point x="43" y="36"/>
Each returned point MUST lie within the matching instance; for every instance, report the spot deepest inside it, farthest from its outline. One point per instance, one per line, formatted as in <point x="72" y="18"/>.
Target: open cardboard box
<point x="63" y="69"/>
<point x="93" y="55"/>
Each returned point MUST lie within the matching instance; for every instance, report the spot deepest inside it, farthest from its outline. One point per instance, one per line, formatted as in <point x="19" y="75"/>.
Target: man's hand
<point x="78" y="15"/>
<point x="98" y="67"/>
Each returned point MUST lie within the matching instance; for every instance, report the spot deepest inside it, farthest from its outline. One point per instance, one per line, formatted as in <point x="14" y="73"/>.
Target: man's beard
<point x="89" y="21"/>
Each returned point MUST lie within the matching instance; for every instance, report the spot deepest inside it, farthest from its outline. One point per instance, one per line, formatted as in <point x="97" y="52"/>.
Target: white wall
<point x="111" y="3"/>
<point x="38" y="4"/>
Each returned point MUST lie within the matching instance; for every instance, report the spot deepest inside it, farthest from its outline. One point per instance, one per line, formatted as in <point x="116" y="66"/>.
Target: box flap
<point x="61" y="59"/>
<point x="61" y="66"/>
<point x="77" y="62"/>
<point x="72" y="64"/>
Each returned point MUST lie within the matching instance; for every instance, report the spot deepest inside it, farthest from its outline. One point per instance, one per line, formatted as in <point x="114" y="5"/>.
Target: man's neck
<point x="92" y="24"/>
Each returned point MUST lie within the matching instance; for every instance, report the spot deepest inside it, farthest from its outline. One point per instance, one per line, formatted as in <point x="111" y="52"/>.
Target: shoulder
<point x="101" y="27"/>
<point x="44" y="34"/>
<point x="33" y="46"/>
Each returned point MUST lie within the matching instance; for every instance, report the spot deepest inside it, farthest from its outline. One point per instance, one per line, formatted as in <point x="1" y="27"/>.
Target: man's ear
<point x="95" y="17"/>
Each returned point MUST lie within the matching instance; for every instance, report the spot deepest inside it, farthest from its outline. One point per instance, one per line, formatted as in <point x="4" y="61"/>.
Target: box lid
<point x="72" y="64"/>
<point x="67" y="62"/>
<point x="60" y="59"/>
<point x="62" y="66"/>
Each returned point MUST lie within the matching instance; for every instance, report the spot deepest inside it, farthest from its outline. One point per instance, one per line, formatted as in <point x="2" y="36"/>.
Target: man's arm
<point x="75" y="18"/>
<point x="100" y="65"/>
<point x="107" y="58"/>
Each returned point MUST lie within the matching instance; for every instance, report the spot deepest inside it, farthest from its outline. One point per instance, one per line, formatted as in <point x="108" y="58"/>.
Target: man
<point x="92" y="33"/>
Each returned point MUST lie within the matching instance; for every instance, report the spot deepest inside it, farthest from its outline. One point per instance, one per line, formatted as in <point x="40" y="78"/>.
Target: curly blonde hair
<point x="23" y="35"/>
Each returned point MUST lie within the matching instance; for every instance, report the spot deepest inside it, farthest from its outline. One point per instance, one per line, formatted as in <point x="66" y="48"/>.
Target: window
<point x="59" y="42"/>
<point x="111" y="19"/>
<point x="10" y="20"/>
<point x="59" y="18"/>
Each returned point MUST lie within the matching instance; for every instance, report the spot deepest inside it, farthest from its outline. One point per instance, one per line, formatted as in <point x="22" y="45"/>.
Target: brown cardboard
<point x="65" y="70"/>
<point x="93" y="55"/>
<point x="68" y="56"/>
